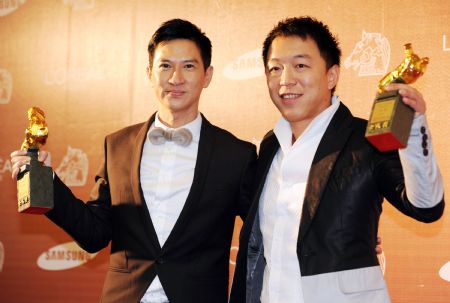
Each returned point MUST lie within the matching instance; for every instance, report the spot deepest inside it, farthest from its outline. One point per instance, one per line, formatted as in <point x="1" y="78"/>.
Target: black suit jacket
<point x="193" y="263"/>
<point x="347" y="184"/>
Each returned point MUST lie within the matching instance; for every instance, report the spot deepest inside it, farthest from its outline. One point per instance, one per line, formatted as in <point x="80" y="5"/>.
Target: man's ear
<point x="333" y="76"/>
<point x="208" y="76"/>
<point x="149" y="72"/>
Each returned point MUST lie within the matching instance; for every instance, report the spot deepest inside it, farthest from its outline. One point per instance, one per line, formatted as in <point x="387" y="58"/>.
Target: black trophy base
<point x="35" y="187"/>
<point x="390" y="122"/>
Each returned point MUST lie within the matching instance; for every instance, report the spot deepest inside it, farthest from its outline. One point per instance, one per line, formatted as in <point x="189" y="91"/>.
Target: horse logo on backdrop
<point x="370" y="56"/>
<point x="9" y="6"/>
<point x="74" y="167"/>
<point x="6" y="84"/>
<point x="80" y="4"/>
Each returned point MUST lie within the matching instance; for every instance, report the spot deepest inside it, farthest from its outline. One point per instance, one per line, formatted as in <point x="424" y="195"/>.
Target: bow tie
<point x="158" y="136"/>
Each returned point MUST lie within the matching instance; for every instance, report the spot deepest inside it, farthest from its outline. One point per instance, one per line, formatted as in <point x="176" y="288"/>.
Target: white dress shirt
<point x="283" y="194"/>
<point x="281" y="205"/>
<point x="166" y="175"/>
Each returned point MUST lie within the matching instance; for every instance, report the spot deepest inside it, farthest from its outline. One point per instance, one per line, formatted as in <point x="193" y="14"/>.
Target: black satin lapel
<point x="136" y="183"/>
<point x="206" y="147"/>
<point x="333" y="141"/>
<point x="267" y="151"/>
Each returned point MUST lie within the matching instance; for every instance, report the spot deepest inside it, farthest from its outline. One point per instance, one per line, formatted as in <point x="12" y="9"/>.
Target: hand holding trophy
<point x="390" y="120"/>
<point x="35" y="182"/>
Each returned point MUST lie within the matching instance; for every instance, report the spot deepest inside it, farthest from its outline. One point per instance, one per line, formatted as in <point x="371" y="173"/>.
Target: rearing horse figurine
<point x="37" y="131"/>
<point x="408" y="71"/>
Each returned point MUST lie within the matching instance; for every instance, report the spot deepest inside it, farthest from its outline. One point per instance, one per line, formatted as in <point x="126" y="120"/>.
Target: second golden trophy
<point x="35" y="182"/>
<point x="390" y="120"/>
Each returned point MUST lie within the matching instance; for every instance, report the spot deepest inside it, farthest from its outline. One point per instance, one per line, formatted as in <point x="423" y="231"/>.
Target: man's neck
<point x="173" y="120"/>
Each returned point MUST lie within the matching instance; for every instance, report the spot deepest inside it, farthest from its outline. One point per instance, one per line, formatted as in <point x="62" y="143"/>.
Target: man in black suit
<point x="168" y="190"/>
<point x="310" y="232"/>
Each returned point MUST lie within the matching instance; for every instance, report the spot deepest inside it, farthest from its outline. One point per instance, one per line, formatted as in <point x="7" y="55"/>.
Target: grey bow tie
<point x="158" y="136"/>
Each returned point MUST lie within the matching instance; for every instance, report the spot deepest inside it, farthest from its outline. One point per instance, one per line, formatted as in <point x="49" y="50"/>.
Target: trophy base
<point x="35" y="187"/>
<point x="390" y="122"/>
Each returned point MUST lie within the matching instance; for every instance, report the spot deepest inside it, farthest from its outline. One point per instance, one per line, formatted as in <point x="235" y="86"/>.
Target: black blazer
<point x="193" y="263"/>
<point x="347" y="184"/>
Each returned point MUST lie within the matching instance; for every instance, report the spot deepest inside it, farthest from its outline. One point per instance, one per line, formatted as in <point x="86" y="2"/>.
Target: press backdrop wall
<point x="84" y="62"/>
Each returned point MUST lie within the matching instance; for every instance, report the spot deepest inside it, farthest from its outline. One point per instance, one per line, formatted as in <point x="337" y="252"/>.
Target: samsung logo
<point x="62" y="76"/>
<point x="9" y="6"/>
<point x="80" y="4"/>
<point x="64" y="256"/>
<point x="246" y="66"/>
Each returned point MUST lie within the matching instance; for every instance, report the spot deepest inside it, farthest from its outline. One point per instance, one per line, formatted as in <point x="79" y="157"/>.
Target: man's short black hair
<point x="181" y="29"/>
<point x="306" y="27"/>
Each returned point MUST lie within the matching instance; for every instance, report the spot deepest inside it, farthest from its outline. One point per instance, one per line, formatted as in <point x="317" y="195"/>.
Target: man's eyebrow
<point x="184" y="61"/>
<point x="299" y="56"/>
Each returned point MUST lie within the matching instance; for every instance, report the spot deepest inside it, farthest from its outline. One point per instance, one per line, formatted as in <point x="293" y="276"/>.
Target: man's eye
<point x="164" y="66"/>
<point x="274" y="69"/>
<point x="189" y="66"/>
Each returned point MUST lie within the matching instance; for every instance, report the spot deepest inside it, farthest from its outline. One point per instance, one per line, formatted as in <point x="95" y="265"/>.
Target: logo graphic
<point x="5" y="166"/>
<point x="64" y="256"/>
<point x="9" y="6"/>
<point x="79" y="5"/>
<point x="74" y="167"/>
<point x="444" y="272"/>
<point x="2" y="256"/>
<point x="62" y="76"/>
<point x="6" y="85"/>
<point x="371" y="55"/>
<point x="444" y="44"/>
<point x="247" y="66"/>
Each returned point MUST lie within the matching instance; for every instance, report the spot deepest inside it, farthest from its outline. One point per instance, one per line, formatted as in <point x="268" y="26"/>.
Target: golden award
<point x="35" y="182"/>
<point x="390" y="120"/>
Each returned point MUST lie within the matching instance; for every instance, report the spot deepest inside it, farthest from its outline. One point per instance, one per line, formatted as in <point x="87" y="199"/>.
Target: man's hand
<point x="378" y="248"/>
<point x="19" y="159"/>
<point x="410" y="96"/>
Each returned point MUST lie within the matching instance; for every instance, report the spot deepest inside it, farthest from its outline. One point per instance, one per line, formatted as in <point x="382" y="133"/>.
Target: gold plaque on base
<point x="390" y="121"/>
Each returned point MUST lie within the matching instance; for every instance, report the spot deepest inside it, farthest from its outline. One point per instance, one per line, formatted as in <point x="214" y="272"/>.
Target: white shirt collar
<point x="318" y="125"/>
<point x="194" y="126"/>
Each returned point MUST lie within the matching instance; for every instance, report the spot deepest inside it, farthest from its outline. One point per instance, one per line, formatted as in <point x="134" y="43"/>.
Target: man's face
<point x="178" y="77"/>
<point x="298" y="80"/>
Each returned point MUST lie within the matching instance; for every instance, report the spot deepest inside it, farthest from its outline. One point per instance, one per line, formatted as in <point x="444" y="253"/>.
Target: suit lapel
<point x="206" y="147"/>
<point x="136" y="183"/>
<point x="333" y="141"/>
<point x="268" y="149"/>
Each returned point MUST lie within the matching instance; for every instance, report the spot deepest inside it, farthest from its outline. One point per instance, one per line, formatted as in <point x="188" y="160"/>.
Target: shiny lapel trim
<point x="136" y="183"/>
<point x="206" y="147"/>
<point x="333" y="141"/>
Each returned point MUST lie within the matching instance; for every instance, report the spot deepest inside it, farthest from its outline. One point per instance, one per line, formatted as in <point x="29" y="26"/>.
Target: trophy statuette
<point x="35" y="182"/>
<point x="390" y="121"/>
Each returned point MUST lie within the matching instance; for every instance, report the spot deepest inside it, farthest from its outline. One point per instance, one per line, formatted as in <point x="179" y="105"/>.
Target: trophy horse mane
<point x="37" y="131"/>
<point x="411" y="68"/>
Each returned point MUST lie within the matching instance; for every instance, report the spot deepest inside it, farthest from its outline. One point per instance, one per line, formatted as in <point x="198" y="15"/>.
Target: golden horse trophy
<point x="390" y="120"/>
<point x="35" y="182"/>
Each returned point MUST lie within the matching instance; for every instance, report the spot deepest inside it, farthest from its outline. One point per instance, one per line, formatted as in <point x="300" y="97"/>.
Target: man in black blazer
<point x="168" y="190"/>
<point x="310" y="232"/>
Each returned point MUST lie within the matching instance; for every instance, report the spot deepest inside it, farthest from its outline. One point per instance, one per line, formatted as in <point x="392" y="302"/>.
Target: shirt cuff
<point x="423" y="180"/>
